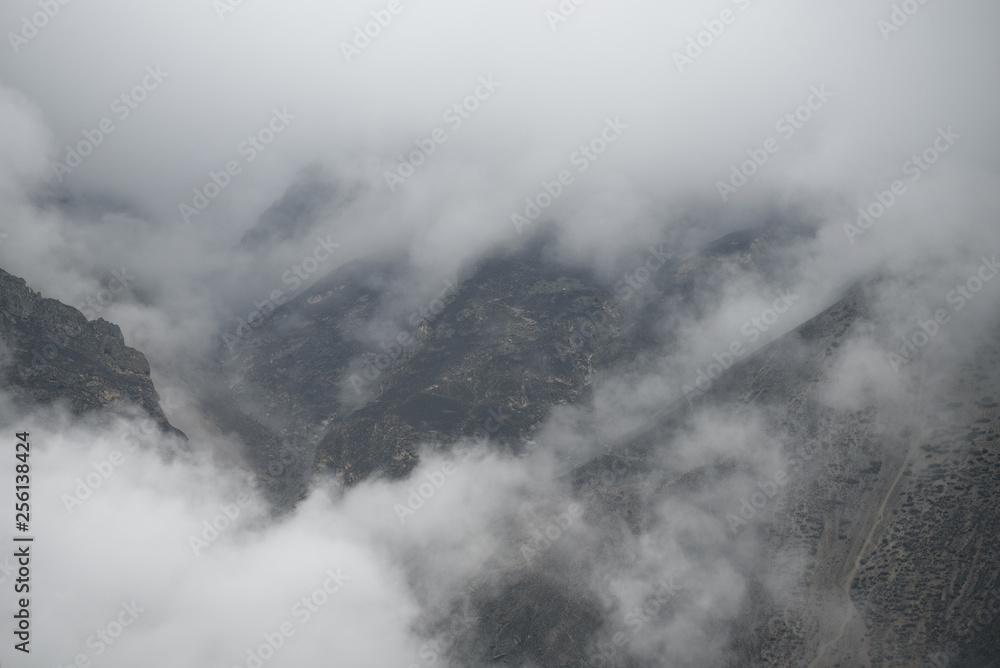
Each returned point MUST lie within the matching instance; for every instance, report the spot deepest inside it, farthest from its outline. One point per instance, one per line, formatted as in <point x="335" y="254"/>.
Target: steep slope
<point x="490" y="357"/>
<point x="55" y="355"/>
<point x="881" y="527"/>
<point x="877" y="490"/>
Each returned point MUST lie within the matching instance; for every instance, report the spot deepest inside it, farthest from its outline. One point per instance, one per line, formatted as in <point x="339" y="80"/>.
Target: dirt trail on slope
<point x="877" y="523"/>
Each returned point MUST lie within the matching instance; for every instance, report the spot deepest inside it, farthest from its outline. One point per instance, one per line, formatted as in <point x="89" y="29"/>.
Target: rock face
<point x="875" y="546"/>
<point x="883" y="526"/>
<point x="518" y="336"/>
<point x="55" y="354"/>
<point x="493" y="362"/>
<point x="881" y="531"/>
<point x="297" y="211"/>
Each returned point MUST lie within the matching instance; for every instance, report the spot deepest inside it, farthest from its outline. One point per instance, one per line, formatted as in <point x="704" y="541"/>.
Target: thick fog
<point x="139" y="145"/>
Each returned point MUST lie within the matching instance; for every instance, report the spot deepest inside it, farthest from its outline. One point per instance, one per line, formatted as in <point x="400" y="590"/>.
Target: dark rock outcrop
<point x="54" y="354"/>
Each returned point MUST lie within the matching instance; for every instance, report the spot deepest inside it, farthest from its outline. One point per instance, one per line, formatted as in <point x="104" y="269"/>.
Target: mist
<point x="171" y="169"/>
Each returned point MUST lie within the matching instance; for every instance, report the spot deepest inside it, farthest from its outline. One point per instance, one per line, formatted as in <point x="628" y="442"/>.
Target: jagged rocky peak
<point x="54" y="354"/>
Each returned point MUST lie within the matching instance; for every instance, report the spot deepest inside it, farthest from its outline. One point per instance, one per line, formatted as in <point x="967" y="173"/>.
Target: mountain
<point x="491" y="356"/>
<point x="882" y="529"/>
<point x="880" y="535"/>
<point x="54" y="354"/>
<point x="856" y="527"/>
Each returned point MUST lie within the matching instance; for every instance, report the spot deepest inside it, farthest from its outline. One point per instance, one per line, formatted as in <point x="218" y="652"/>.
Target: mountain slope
<point x="55" y="355"/>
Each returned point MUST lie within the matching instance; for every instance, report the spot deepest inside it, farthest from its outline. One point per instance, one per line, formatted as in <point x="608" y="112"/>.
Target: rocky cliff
<point x="55" y="355"/>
